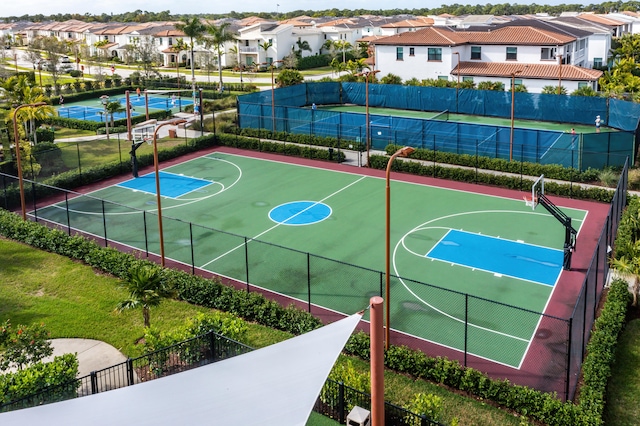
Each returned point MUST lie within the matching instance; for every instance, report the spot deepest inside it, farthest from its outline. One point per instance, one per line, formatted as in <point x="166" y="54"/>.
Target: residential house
<point x="495" y="54"/>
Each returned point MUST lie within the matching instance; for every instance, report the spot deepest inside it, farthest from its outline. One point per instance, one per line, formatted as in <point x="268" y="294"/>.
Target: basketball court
<point x="472" y="268"/>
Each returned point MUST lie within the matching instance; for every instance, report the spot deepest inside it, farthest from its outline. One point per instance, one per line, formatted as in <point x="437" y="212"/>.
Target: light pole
<point x="458" y="83"/>
<point x="559" y="73"/>
<point x="402" y="152"/>
<point x="157" y="172"/>
<point x="273" y="100"/>
<point x="366" y="75"/>
<point x="513" y="97"/>
<point x="105" y="101"/>
<point x="18" y="163"/>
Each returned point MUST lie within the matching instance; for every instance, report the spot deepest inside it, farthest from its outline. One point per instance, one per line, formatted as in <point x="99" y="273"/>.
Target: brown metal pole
<point x="16" y="138"/>
<point x="127" y="100"/>
<point x="157" y="173"/>
<point x="146" y="103"/>
<point x="387" y="288"/>
<point x="158" y="198"/>
<point x="377" y="362"/>
<point x="513" y="79"/>
<point x="366" y="102"/>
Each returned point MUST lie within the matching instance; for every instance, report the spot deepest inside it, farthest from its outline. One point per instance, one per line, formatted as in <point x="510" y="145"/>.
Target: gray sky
<point x="48" y="7"/>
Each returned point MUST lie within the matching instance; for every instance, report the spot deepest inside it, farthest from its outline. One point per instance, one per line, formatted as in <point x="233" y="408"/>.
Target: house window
<point x="160" y="41"/>
<point x="443" y="77"/>
<point x="512" y="53"/>
<point x="597" y="62"/>
<point x="399" y="54"/>
<point x="412" y="51"/>
<point x="170" y="41"/>
<point x="517" y="82"/>
<point x="434" y="54"/>
<point x="469" y="79"/>
<point x="476" y="52"/>
<point x="246" y="43"/>
<point x="582" y="84"/>
<point x="547" y="53"/>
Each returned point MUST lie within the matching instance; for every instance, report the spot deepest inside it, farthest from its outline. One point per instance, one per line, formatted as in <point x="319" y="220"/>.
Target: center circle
<point x="298" y="213"/>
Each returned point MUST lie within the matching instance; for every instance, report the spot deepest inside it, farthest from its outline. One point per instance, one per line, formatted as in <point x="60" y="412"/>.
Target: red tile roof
<point x="432" y="36"/>
<point x="531" y="71"/>
<point x="443" y="36"/>
<point x="600" y="19"/>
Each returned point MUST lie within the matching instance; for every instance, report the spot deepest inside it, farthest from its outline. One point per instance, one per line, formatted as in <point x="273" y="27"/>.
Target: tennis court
<point x="230" y="214"/>
<point x="93" y="110"/>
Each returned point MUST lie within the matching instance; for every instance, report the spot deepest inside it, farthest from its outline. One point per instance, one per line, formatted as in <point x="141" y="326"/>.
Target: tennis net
<point x="443" y="116"/>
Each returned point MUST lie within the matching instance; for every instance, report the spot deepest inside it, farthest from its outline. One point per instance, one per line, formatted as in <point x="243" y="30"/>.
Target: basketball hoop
<point x="148" y="140"/>
<point x="530" y="202"/>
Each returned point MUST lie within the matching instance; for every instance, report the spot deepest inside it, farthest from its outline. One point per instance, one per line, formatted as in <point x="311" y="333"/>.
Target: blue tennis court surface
<point x="171" y="185"/>
<point x="511" y="258"/>
<point x="96" y="113"/>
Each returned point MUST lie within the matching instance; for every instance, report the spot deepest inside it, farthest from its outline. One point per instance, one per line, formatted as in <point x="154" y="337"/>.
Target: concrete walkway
<point x="93" y="355"/>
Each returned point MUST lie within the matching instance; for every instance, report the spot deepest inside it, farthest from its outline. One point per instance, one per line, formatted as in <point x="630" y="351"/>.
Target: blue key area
<point x="511" y="258"/>
<point x="171" y="185"/>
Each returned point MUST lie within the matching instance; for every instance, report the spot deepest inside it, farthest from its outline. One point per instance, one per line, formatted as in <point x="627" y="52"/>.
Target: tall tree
<point x="218" y="35"/>
<point x="194" y="29"/>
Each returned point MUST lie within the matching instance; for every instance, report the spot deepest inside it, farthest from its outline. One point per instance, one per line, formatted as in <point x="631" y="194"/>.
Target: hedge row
<point x="512" y="182"/>
<point x="550" y="171"/>
<point x="38" y="377"/>
<point x="191" y="288"/>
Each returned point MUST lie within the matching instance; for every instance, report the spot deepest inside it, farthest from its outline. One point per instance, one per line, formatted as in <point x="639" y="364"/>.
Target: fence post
<point x="341" y="413"/>
<point x="146" y="237"/>
<point x="35" y="206"/>
<point x="466" y="325"/>
<point x="104" y="224"/>
<point x="246" y="262"/>
<point x="568" y="378"/>
<point x="130" y="372"/>
<point x="66" y="203"/>
<point x="193" y="260"/>
<point x="79" y="163"/>
<point x="308" y="282"/>
<point x="212" y="346"/>
<point x="94" y="382"/>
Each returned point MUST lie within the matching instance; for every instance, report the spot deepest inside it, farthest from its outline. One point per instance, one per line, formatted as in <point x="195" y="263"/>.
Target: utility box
<point x="359" y="417"/>
<point x="173" y="133"/>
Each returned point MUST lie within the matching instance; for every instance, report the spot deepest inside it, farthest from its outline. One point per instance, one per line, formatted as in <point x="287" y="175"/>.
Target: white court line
<point x="279" y="224"/>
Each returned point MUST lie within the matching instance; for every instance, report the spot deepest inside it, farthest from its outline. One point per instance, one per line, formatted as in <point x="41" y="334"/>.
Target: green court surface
<point x="232" y="222"/>
<point x="473" y="119"/>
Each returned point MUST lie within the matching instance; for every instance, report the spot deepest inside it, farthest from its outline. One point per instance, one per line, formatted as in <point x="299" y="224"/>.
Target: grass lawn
<point x="101" y="151"/>
<point x="73" y="300"/>
<point x="622" y="407"/>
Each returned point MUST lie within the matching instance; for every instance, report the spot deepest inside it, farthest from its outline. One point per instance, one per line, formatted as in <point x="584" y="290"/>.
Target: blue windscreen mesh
<point x="547" y="147"/>
<point x="623" y="115"/>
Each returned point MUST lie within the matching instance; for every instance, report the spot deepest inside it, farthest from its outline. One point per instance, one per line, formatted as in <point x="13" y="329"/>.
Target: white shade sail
<point x="277" y="385"/>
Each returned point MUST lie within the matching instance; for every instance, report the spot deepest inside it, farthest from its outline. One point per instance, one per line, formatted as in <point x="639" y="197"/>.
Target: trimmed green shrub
<point x="37" y="378"/>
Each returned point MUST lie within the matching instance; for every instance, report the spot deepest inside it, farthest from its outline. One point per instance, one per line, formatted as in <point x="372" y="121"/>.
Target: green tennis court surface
<point x="472" y="119"/>
<point x="238" y="213"/>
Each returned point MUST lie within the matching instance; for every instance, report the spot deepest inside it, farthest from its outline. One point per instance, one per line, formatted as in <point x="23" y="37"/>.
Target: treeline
<point x="453" y="9"/>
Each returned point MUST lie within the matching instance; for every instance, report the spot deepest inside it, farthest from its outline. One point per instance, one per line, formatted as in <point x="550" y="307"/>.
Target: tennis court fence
<point x="438" y="133"/>
<point x="551" y="365"/>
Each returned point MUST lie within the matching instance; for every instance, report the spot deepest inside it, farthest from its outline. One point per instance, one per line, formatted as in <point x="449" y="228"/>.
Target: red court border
<point x="540" y="367"/>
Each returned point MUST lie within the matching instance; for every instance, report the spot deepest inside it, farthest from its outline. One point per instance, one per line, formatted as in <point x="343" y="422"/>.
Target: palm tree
<point x="178" y="46"/>
<point x="114" y="108"/>
<point x="146" y="290"/>
<point x="194" y="29"/>
<point x="265" y="46"/>
<point x="32" y="95"/>
<point x="344" y="46"/>
<point x="218" y="36"/>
